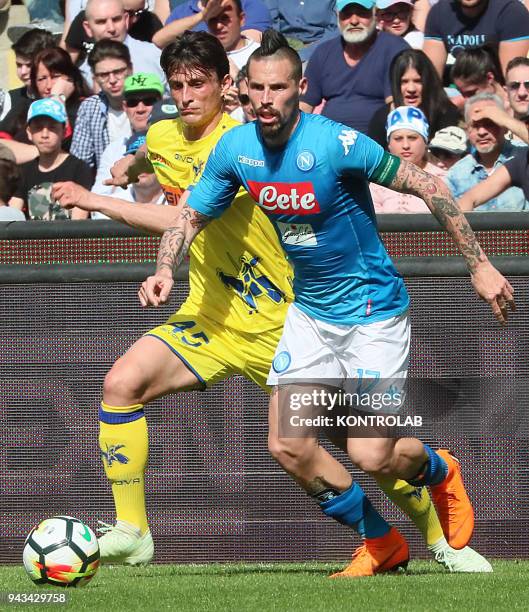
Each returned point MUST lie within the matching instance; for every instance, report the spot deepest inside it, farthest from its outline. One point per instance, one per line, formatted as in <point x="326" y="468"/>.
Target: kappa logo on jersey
<point x="256" y="163"/>
<point x="348" y="138"/>
<point x="250" y="285"/>
<point x="285" y="198"/>
<point x="301" y="234"/>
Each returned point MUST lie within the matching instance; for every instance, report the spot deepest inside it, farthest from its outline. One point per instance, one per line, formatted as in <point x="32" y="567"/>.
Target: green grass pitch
<point x="285" y="587"/>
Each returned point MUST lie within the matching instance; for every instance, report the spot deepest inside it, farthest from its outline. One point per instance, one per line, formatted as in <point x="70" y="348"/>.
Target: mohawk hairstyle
<point x="274" y="44"/>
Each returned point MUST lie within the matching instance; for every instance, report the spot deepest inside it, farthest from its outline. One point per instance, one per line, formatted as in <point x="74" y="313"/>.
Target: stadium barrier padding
<point x="69" y="309"/>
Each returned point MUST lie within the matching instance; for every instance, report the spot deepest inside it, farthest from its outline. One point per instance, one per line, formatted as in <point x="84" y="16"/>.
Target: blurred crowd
<point x="441" y="83"/>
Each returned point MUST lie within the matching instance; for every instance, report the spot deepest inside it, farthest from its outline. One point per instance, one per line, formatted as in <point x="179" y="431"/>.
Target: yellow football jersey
<point x="238" y="273"/>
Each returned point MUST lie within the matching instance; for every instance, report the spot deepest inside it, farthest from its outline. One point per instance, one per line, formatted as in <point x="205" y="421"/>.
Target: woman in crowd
<point x="407" y="133"/>
<point x="52" y="75"/>
<point x="478" y="70"/>
<point x="414" y="82"/>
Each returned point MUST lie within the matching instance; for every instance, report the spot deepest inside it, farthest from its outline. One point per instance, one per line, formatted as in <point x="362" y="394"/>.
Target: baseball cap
<point x="384" y="4"/>
<point x="367" y="4"/>
<point x="408" y="118"/>
<point x="47" y="107"/>
<point x="452" y="139"/>
<point x="142" y="82"/>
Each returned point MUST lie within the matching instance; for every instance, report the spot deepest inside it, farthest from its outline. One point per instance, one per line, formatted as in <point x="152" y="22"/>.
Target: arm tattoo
<point x="411" y="179"/>
<point x="176" y="241"/>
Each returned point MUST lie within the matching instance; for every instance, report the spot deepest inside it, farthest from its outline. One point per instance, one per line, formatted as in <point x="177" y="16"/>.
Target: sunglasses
<point x="138" y="13"/>
<point x="515" y="85"/>
<point x="244" y="99"/>
<point x="133" y="102"/>
<point x="391" y="15"/>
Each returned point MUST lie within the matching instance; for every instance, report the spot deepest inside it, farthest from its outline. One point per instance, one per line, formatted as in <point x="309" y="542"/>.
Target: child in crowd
<point x="46" y="124"/>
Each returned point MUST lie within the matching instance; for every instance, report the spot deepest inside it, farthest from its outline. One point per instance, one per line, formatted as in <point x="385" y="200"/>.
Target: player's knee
<point x="373" y="462"/>
<point x="290" y="453"/>
<point x="124" y="384"/>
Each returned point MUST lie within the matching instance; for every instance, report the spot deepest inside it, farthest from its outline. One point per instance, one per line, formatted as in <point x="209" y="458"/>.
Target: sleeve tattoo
<point x="411" y="179"/>
<point x="176" y="240"/>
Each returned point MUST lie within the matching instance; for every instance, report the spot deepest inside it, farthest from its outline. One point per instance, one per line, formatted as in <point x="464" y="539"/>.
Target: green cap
<point x="142" y="82"/>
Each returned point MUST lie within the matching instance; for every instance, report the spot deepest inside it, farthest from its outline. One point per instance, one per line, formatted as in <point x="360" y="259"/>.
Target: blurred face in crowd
<point x="484" y="135"/>
<point x="517" y="87"/>
<point x="395" y="19"/>
<point x="106" y="20"/>
<point x="138" y="107"/>
<point x="46" y="79"/>
<point x="134" y="10"/>
<point x="274" y="94"/>
<point x="445" y="159"/>
<point x="411" y="88"/>
<point x="46" y="134"/>
<point x="23" y="65"/>
<point x="244" y="100"/>
<point x="226" y="26"/>
<point x="197" y="95"/>
<point x="408" y="145"/>
<point x="469" y="89"/>
<point x="110" y="75"/>
<point x="356" y="23"/>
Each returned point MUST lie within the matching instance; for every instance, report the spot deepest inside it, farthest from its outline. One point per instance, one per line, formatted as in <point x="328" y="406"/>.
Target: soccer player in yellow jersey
<point x="230" y="323"/>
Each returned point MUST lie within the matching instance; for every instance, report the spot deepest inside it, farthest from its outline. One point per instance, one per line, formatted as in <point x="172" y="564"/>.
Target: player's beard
<point x="354" y="37"/>
<point x="278" y="132"/>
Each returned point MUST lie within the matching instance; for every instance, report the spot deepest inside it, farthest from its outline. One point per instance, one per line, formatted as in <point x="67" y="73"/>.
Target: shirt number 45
<point x="191" y="339"/>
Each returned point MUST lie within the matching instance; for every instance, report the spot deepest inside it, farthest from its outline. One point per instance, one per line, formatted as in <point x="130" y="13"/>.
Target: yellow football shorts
<point x="214" y="353"/>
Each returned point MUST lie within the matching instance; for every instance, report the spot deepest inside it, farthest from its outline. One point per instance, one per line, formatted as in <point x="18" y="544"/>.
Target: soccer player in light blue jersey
<point x="350" y="316"/>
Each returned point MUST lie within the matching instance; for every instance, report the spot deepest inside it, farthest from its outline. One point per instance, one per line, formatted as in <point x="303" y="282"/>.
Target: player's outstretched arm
<point x="152" y="218"/>
<point x="489" y="284"/>
<point x="174" y="246"/>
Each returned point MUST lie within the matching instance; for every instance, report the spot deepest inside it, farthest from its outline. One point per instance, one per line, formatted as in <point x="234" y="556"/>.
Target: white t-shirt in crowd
<point x="118" y="124"/>
<point x="240" y="56"/>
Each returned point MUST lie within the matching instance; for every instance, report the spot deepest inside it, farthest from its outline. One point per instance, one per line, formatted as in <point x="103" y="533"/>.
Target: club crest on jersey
<point x="285" y="198"/>
<point x="305" y="161"/>
<point x="348" y="138"/>
<point x="281" y="362"/>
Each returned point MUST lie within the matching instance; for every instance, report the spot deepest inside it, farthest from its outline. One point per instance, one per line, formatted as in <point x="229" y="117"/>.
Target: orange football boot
<point x="453" y="504"/>
<point x="378" y="555"/>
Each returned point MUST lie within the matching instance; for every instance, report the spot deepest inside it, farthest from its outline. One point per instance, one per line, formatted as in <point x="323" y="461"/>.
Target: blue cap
<point x="367" y="4"/>
<point x="408" y="118"/>
<point x="48" y="107"/>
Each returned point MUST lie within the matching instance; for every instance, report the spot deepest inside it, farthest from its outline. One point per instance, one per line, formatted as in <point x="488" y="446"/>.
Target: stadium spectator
<point x="244" y="112"/>
<point x="303" y="23"/>
<point x="25" y="49"/>
<point x="478" y="70"/>
<point x="395" y="17"/>
<point x="407" y="134"/>
<point x="143" y="24"/>
<point x="517" y="89"/>
<point x="414" y="82"/>
<point x="107" y="19"/>
<point x="195" y="14"/>
<point x="140" y="94"/>
<point x="101" y="118"/>
<point x="454" y="25"/>
<point x="448" y="146"/>
<point x="46" y="123"/>
<point x="490" y="150"/>
<point x="9" y="178"/>
<point x="351" y="71"/>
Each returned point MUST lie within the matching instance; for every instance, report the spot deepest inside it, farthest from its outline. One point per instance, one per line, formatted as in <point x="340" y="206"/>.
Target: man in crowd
<point x="141" y="92"/>
<point x="453" y="25"/>
<point x="243" y="249"/>
<point x="490" y="151"/>
<point x="359" y="82"/>
<point x="101" y="118"/>
<point x="108" y="20"/>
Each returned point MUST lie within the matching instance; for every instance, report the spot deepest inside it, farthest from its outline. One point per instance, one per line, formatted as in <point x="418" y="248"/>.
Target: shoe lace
<point x="360" y="552"/>
<point x="445" y="557"/>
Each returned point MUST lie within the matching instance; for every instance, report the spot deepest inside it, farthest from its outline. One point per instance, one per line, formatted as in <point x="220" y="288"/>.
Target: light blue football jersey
<point x="315" y="191"/>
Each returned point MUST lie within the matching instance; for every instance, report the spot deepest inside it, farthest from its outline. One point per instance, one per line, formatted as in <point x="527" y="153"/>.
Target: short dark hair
<point x="473" y="65"/>
<point x="108" y="49"/>
<point x="33" y="41"/>
<point x="273" y="43"/>
<point x="517" y="61"/>
<point x="238" y="6"/>
<point x="9" y="178"/>
<point x="198" y="51"/>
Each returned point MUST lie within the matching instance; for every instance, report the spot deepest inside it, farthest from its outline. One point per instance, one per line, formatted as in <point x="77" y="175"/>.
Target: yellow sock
<point x="124" y="444"/>
<point x="417" y="504"/>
